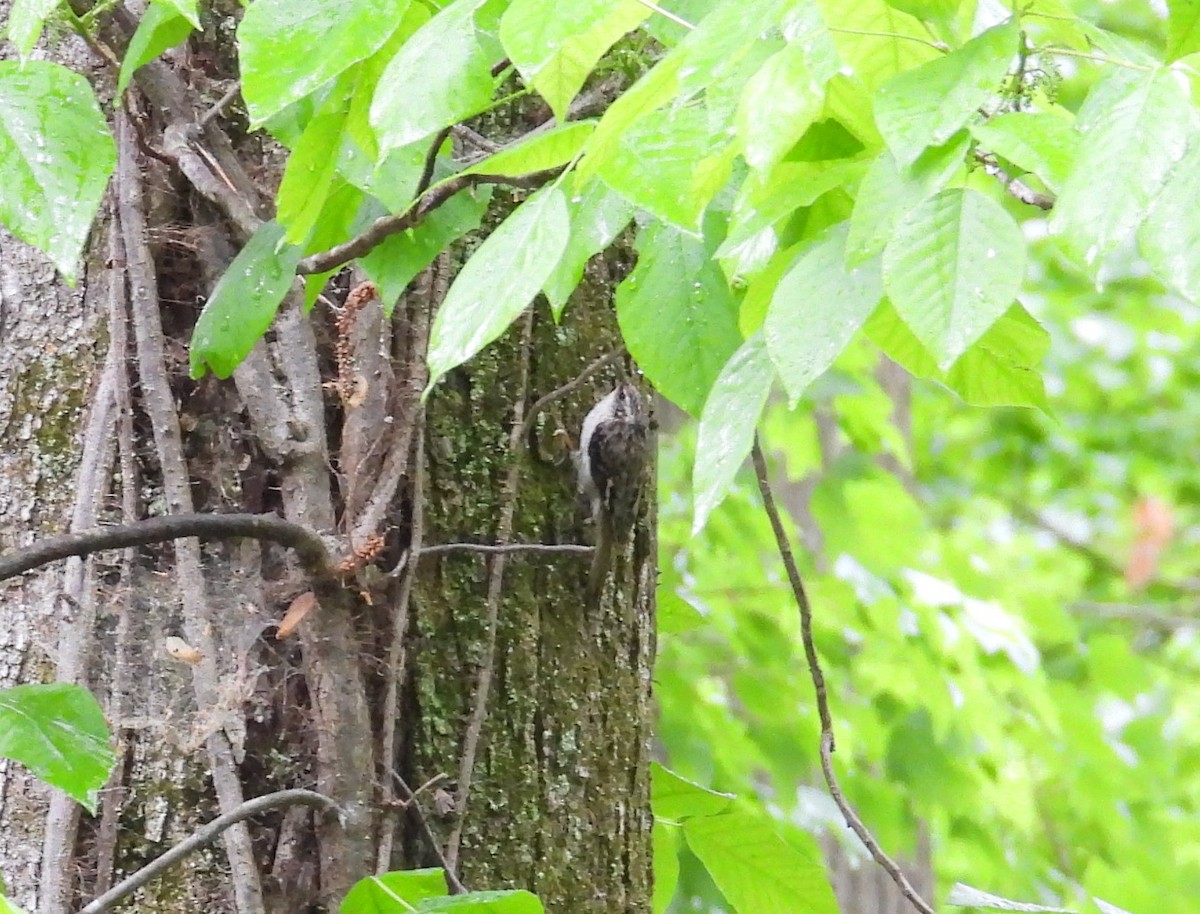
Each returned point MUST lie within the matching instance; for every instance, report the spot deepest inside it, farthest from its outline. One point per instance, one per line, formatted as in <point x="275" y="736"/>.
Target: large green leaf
<point x="598" y="215"/>
<point x="500" y="280"/>
<point x="376" y="894"/>
<point x="244" y="303"/>
<point x="1136" y="126"/>
<point x="542" y="151"/>
<point x="10" y="907"/>
<point x="1170" y="236"/>
<point x="928" y="105"/>
<point x="1041" y="143"/>
<point x="756" y="870"/>
<point x="161" y="27"/>
<point x="58" y="732"/>
<point x="309" y="174"/>
<point x="953" y="266"/>
<point x="56" y="156"/>
<point x="25" y="21"/>
<point x="658" y="166"/>
<point x="817" y="308"/>
<point x="1001" y="369"/>
<point x="875" y="41"/>
<point x="675" y="798"/>
<point x="677" y="316"/>
<point x="778" y="104"/>
<point x="1183" y="28"/>
<point x="727" y="425"/>
<point x="665" y="839"/>
<point x="885" y="195"/>
<point x="555" y="51"/>
<point x="440" y="76"/>
<point x="290" y="48"/>
<point x="188" y="9"/>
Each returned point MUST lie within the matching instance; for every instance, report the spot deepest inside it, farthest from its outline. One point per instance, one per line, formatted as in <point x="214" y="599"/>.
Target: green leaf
<point x="656" y="167"/>
<point x="928" y="105"/>
<point x="1136" y="126"/>
<point x="666" y="864"/>
<point x="778" y="105"/>
<point x="510" y="902"/>
<point x="56" y="156"/>
<point x="816" y="310"/>
<point x="392" y="264"/>
<point x="439" y="77"/>
<point x="309" y="174"/>
<point x="162" y="27"/>
<point x="953" y="266"/>
<point x="727" y="425"/>
<point x="1001" y="369"/>
<point x="677" y="316"/>
<point x="1043" y="144"/>
<point x="598" y="216"/>
<point x="876" y="41"/>
<point x="290" y="48"/>
<point x="756" y="870"/>
<point x="500" y="280"/>
<point x="58" y="732"/>
<point x="1170" y="236"/>
<point x="967" y="897"/>
<point x="25" y="21"/>
<point x="244" y="303"/>
<point x="9" y="907"/>
<point x="545" y="150"/>
<point x="675" y="798"/>
<point x="1183" y="28"/>
<point x="885" y="195"/>
<point x="377" y="894"/>
<point x="555" y="53"/>
<point x="188" y="9"/>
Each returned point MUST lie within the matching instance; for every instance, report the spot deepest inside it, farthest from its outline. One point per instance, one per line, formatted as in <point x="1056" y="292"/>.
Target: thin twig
<point x="508" y="506"/>
<point x="431" y="160"/>
<point x="307" y="544"/>
<point x="1017" y="188"/>
<point x="397" y="655"/>
<point x="215" y="111"/>
<point x="818" y="680"/>
<point x="205" y="835"/>
<point x="386" y="226"/>
<point x="559" y="392"/>
<point x="936" y="45"/>
<point x="510" y="549"/>
<point x="667" y="14"/>
<point x="414" y="805"/>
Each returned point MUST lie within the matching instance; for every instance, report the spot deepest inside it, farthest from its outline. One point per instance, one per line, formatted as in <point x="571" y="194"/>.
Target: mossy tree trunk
<point x="483" y="668"/>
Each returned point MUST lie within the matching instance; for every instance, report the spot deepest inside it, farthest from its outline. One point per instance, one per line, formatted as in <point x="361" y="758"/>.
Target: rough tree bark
<point x="481" y="673"/>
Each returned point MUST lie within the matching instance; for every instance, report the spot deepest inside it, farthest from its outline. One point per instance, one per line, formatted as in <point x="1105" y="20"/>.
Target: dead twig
<point x="559" y="392"/>
<point x="412" y="804"/>
<point x="510" y="549"/>
<point x="818" y="679"/>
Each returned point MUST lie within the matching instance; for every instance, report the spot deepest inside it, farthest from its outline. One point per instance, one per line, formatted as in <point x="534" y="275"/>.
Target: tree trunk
<point x="485" y="669"/>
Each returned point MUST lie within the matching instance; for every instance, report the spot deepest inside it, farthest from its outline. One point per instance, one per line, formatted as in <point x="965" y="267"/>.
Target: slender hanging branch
<point x="206" y="835"/>
<point x="818" y="679"/>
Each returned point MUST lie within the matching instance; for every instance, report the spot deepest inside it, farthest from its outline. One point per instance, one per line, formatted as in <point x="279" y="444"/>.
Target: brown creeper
<point x="611" y="458"/>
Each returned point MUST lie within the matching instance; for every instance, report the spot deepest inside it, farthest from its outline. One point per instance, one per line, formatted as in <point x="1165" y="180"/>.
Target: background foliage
<point x="1003" y="199"/>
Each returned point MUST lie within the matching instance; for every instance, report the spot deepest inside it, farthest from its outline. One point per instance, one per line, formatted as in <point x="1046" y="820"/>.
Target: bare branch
<point x="206" y="835"/>
<point x="431" y="160"/>
<point x="309" y="547"/>
<point x="818" y="679"/>
<point x="412" y="803"/>
<point x="385" y="226"/>
<point x="569" y="387"/>
<point x="1017" y="188"/>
